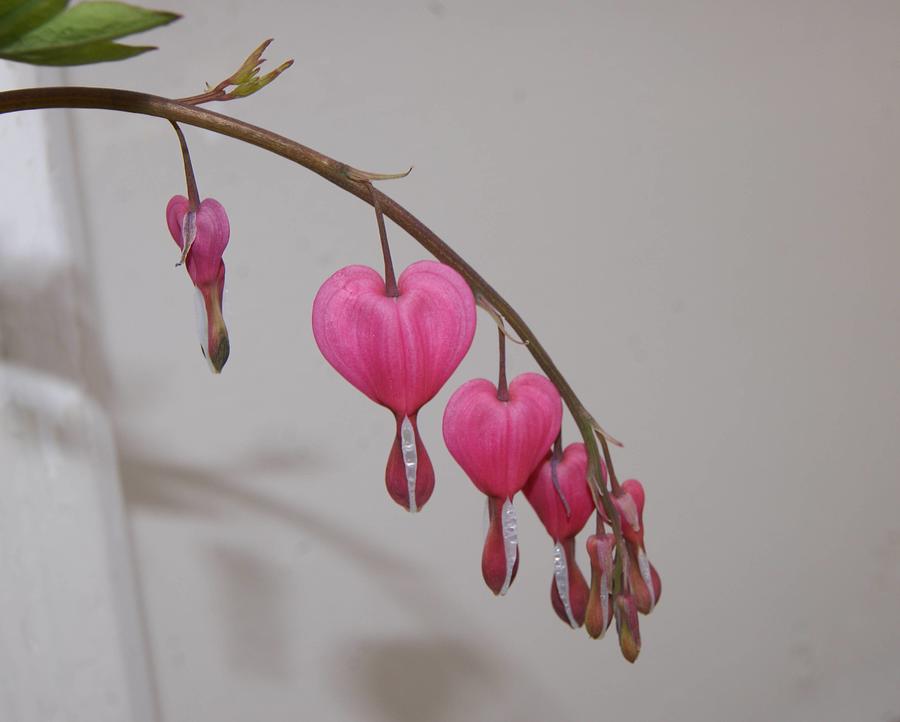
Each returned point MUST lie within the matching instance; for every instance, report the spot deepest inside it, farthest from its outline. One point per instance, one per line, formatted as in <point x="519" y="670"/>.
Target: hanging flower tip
<point x="218" y="355"/>
<point x="202" y="238"/>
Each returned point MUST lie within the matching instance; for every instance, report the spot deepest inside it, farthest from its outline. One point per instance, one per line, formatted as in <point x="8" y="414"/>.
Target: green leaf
<point x="99" y="52"/>
<point x="89" y="23"/>
<point x="18" y="17"/>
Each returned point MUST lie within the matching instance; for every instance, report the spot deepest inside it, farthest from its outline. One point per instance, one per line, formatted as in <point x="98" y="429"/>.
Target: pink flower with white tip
<point x="202" y="237"/>
<point x="563" y="521"/>
<point x="643" y="579"/>
<point x="399" y="351"/>
<point x="498" y="443"/>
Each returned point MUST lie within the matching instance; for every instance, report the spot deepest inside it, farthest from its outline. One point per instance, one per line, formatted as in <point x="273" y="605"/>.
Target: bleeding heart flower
<point x="206" y="234"/>
<point x="498" y="444"/>
<point x="643" y="578"/>
<point x="563" y="521"/>
<point x="399" y="351"/>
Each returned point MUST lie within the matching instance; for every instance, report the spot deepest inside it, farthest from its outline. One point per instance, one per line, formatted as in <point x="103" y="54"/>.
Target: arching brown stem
<point x="347" y="178"/>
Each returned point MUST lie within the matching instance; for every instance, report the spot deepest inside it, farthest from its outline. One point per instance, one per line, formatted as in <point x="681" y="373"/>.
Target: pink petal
<point x="571" y="473"/>
<point x="630" y="503"/>
<point x="175" y="212"/>
<point x="499" y="443"/>
<point x="398" y="351"/>
<point x="213" y="231"/>
<point x="643" y="579"/>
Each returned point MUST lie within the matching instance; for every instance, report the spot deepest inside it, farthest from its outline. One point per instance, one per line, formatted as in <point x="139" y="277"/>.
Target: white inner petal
<point x="510" y="524"/>
<point x="410" y="459"/>
<point x="644" y="567"/>
<point x="561" y="575"/>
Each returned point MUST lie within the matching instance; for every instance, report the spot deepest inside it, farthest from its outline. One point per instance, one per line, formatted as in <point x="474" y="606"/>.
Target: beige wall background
<point x="694" y="204"/>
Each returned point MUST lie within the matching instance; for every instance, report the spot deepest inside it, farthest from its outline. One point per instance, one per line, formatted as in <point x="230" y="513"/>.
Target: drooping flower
<point x="399" y="351"/>
<point x="643" y="579"/>
<point x="206" y="233"/>
<point x="498" y="444"/>
<point x="568" y="588"/>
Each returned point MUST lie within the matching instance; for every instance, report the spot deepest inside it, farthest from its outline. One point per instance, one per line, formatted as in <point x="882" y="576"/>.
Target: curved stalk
<point x="353" y="181"/>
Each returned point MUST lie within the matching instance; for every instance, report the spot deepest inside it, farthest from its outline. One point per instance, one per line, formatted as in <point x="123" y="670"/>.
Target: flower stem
<point x="390" y="280"/>
<point x="555" y="458"/>
<point x="613" y="481"/>
<point x="502" y="388"/>
<point x="193" y="193"/>
<point x="345" y="177"/>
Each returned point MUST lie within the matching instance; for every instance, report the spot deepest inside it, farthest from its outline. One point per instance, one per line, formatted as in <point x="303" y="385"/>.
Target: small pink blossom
<point x="207" y="233"/>
<point x="568" y="588"/>
<point x="498" y="444"/>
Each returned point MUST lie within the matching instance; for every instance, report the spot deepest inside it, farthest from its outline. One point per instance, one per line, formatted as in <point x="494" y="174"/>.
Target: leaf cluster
<point x="49" y="32"/>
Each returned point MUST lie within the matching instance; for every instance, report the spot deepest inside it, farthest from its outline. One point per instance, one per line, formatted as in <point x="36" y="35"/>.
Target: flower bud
<point x="599" y="606"/>
<point x="630" y="504"/>
<point x="203" y="235"/>
<point x="643" y="579"/>
<point x="628" y="627"/>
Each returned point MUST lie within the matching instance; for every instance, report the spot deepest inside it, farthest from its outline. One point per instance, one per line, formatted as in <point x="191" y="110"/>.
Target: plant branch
<point x="347" y="178"/>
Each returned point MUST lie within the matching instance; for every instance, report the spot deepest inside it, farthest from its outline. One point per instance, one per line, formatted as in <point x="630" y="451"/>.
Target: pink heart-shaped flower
<point x="568" y="588"/>
<point x="571" y="474"/>
<point x="399" y="351"/>
<point x="207" y="232"/>
<point x="498" y="444"/>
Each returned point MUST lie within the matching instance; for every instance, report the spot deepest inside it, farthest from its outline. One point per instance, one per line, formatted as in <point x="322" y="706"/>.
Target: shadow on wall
<point x="441" y="680"/>
<point x="404" y="680"/>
